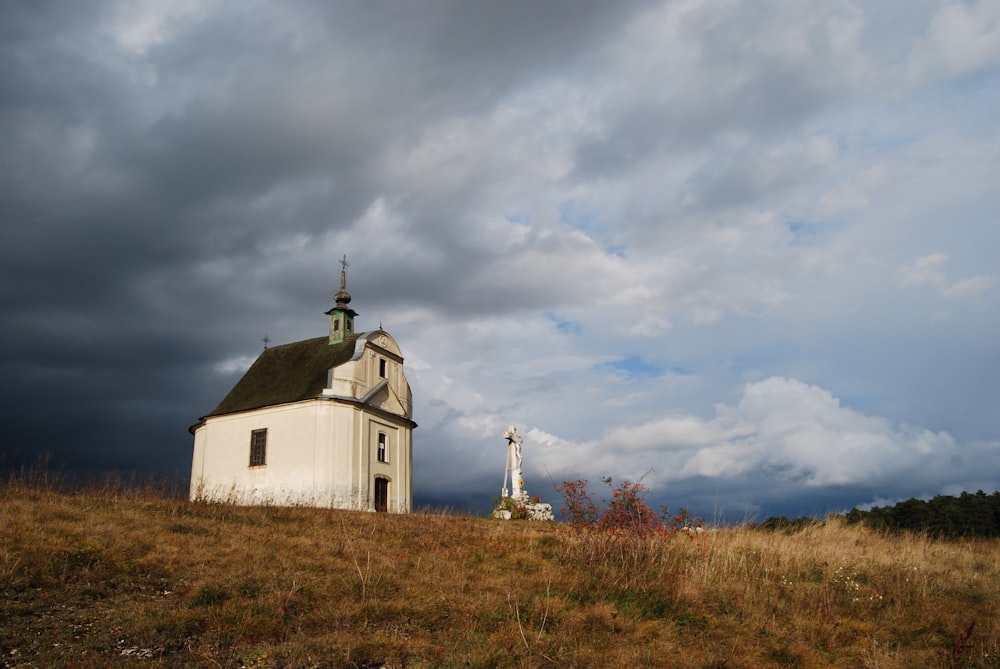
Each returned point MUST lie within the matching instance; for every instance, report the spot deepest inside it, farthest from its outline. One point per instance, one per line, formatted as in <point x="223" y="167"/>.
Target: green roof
<point x="287" y="373"/>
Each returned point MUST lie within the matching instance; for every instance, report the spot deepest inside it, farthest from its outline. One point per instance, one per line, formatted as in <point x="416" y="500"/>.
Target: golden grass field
<point x="119" y="577"/>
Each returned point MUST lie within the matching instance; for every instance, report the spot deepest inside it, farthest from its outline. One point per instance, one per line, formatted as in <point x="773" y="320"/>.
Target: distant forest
<point x="944" y="516"/>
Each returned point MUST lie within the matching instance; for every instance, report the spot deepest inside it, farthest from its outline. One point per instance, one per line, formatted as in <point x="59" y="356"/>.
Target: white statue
<point x="533" y="510"/>
<point x="513" y="464"/>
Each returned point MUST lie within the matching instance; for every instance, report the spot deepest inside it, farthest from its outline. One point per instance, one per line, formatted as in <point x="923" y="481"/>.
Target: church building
<point x="324" y="422"/>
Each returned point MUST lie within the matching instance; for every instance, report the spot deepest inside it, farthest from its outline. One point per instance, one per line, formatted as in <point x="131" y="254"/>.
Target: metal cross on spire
<point x="342" y="293"/>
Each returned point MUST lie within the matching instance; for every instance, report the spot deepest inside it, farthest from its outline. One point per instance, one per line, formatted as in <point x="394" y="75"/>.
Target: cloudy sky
<point x="747" y="249"/>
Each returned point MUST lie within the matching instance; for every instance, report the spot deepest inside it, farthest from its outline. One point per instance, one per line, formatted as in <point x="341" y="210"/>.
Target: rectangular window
<point x="381" y="447"/>
<point x="381" y="367"/>
<point x="258" y="448"/>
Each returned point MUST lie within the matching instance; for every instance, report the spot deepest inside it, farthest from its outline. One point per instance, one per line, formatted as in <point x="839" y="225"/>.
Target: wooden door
<point x="381" y="495"/>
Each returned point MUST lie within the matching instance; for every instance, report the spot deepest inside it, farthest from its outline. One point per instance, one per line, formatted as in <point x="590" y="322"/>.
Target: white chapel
<point x="323" y="422"/>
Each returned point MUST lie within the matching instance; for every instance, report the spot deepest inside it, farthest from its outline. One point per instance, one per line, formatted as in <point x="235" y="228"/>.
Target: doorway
<point x="381" y="495"/>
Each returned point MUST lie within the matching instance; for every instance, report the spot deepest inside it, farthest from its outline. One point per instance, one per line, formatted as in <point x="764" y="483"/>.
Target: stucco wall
<point x="319" y="453"/>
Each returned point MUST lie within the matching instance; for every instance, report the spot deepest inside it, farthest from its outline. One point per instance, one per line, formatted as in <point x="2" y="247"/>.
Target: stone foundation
<point x="510" y="507"/>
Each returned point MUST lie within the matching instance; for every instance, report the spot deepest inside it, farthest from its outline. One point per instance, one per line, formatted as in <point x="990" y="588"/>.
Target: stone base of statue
<point x="540" y="511"/>
<point x="522" y="507"/>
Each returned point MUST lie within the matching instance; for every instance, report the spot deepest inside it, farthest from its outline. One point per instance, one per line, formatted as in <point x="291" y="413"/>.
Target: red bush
<point x="625" y="514"/>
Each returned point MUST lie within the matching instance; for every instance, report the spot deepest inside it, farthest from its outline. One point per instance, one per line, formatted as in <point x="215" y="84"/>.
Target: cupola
<point x="341" y="316"/>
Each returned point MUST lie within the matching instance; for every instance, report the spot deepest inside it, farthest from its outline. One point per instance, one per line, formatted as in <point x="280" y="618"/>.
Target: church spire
<point x="342" y="316"/>
<point x="343" y="298"/>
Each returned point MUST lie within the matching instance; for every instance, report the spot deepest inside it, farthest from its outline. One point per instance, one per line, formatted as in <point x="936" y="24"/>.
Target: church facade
<point x="323" y="422"/>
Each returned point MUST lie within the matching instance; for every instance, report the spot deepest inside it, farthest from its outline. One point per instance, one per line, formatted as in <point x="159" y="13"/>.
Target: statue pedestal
<point x="521" y="508"/>
<point x="540" y="511"/>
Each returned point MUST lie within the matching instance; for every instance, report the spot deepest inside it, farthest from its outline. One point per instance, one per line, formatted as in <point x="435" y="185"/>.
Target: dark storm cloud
<point x="179" y="179"/>
<point x="140" y="189"/>
<point x="456" y="57"/>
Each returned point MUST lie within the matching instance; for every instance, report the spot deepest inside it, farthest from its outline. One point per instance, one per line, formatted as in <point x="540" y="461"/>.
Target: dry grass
<point x="118" y="578"/>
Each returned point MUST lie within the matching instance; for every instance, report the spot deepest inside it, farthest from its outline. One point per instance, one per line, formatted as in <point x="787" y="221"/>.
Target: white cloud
<point x="649" y="326"/>
<point x="140" y="25"/>
<point x="963" y="37"/>
<point x="973" y="285"/>
<point x="930" y="271"/>
<point x="234" y="365"/>
<point x="781" y="430"/>
<point x="855" y="193"/>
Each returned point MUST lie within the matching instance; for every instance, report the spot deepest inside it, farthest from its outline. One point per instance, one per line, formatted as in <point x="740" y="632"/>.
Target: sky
<point x="743" y="251"/>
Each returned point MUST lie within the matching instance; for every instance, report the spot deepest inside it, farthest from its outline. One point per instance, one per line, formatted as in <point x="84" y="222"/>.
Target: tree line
<point x="943" y="516"/>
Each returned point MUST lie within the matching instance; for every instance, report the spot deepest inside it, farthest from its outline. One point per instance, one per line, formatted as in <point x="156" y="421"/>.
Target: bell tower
<point x="342" y="316"/>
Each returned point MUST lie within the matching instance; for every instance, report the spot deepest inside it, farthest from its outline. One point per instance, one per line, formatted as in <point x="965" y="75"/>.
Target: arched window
<point x="381" y="448"/>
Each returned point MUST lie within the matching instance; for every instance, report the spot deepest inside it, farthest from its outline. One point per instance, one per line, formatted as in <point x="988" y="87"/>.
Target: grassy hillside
<point x="120" y="578"/>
